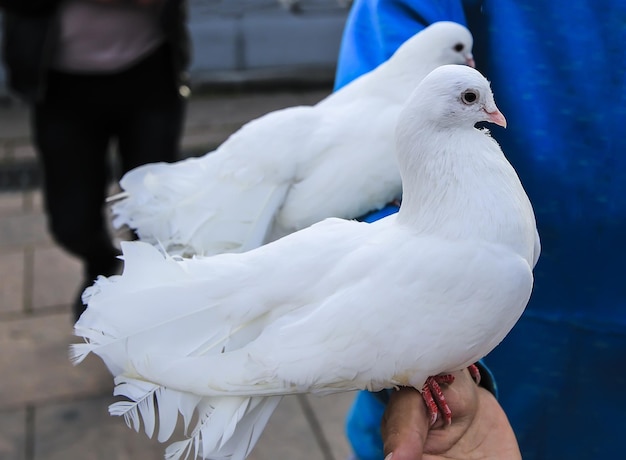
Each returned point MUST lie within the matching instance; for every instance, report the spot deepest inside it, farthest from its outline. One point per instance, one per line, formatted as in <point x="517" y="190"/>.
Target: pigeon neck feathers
<point x="452" y="171"/>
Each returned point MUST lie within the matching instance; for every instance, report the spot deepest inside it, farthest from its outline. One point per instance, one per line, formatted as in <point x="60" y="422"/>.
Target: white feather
<point x="338" y="306"/>
<point x="290" y="168"/>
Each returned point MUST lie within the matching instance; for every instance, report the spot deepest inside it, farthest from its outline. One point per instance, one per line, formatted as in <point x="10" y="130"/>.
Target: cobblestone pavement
<point x="50" y="410"/>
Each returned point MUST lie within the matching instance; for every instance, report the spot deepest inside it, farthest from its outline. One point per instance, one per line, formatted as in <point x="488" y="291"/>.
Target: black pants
<point x="139" y="110"/>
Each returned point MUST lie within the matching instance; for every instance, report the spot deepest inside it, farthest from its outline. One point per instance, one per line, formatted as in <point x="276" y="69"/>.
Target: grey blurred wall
<point x="241" y="41"/>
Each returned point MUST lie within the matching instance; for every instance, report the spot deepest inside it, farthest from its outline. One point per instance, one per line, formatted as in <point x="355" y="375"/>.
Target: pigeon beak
<point x="496" y="117"/>
<point x="469" y="60"/>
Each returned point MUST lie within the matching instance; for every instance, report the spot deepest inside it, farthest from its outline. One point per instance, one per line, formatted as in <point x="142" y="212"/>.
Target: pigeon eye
<point x="469" y="97"/>
<point x="458" y="47"/>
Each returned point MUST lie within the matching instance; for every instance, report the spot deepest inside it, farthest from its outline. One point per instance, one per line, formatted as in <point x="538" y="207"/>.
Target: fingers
<point x="405" y="425"/>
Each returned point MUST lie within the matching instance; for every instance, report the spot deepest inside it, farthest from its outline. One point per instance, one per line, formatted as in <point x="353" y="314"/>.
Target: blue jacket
<point x="558" y="71"/>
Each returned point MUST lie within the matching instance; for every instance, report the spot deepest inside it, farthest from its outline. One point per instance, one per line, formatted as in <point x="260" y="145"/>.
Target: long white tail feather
<point x="142" y="395"/>
<point x="179" y="449"/>
<point x="251" y="426"/>
<point x="219" y="427"/>
<point x="78" y="352"/>
<point x="226" y="427"/>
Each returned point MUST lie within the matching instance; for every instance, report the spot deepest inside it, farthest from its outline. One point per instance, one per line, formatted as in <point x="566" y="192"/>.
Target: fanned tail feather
<point x="123" y="317"/>
<point x="147" y="400"/>
<point x="78" y="352"/>
<point x="152" y="195"/>
<point x="198" y="206"/>
<point x="226" y="428"/>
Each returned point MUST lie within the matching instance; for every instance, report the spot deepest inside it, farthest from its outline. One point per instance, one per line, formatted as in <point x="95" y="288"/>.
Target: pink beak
<point x="469" y="60"/>
<point x="497" y="118"/>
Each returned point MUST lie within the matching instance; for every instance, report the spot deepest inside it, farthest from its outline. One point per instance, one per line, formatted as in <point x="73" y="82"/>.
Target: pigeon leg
<point x="435" y="400"/>
<point x="475" y="373"/>
<point x="434" y="397"/>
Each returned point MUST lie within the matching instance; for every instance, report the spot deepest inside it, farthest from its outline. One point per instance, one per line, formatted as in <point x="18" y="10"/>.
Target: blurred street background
<point x="262" y="41"/>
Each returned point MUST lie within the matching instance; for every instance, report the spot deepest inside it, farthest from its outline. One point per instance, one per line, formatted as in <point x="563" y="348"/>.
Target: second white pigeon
<point x="290" y="168"/>
<point x="339" y="306"/>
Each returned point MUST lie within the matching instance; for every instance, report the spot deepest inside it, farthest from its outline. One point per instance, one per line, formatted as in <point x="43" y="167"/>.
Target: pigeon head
<point x="443" y="42"/>
<point x="452" y="96"/>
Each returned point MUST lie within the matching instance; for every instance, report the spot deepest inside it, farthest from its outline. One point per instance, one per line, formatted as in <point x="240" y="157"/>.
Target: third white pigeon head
<point x="443" y="42"/>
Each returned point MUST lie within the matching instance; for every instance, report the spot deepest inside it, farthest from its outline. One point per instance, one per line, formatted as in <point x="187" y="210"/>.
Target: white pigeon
<point x="338" y="306"/>
<point x="289" y="168"/>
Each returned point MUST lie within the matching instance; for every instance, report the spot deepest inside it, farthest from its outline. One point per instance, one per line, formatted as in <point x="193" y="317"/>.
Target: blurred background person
<point x="558" y="70"/>
<point x="96" y="73"/>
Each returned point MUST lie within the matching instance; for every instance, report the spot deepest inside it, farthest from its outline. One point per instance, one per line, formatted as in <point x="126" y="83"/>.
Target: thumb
<point x="404" y="426"/>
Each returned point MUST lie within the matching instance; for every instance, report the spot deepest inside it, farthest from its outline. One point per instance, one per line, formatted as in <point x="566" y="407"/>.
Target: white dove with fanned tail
<point x="290" y="168"/>
<point x="338" y="306"/>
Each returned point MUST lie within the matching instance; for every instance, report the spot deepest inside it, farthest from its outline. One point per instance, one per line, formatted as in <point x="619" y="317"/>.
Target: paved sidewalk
<point x="50" y="410"/>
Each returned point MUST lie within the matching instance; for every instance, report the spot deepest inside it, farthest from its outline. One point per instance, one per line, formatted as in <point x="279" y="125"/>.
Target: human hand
<point x="479" y="428"/>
